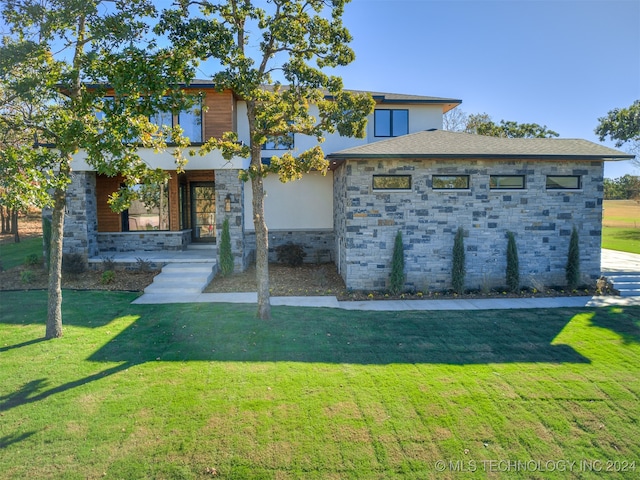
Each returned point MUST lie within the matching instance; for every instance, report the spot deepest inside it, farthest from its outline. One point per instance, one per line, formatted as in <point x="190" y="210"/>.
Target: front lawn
<point x="14" y="254"/>
<point x="197" y="390"/>
<point x="621" y="239"/>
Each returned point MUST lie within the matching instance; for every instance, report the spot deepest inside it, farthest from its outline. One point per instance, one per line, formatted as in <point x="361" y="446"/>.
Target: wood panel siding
<point x="108" y="220"/>
<point x="219" y="115"/>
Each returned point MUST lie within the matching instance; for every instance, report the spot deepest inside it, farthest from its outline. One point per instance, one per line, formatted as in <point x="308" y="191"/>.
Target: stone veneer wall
<point x="367" y="221"/>
<point x="319" y="245"/>
<point x="143" y="240"/>
<point x="80" y="223"/>
<point x="228" y="183"/>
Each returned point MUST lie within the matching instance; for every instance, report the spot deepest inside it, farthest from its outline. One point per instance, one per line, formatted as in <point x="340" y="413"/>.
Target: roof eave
<point x="603" y="158"/>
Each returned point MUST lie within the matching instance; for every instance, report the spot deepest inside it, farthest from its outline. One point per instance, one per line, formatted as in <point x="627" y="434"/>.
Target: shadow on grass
<point x="231" y="333"/>
<point x="627" y="234"/>
<point x="23" y="344"/>
<point x="621" y="320"/>
<point x="33" y="391"/>
<point x="11" y="439"/>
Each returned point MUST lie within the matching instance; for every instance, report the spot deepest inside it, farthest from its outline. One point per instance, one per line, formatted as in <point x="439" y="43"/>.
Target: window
<point x="284" y="142"/>
<point x="391" y="123"/>
<point x="162" y="119"/>
<point x="563" y="182"/>
<point x="152" y="213"/>
<point x="191" y="123"/>
<point x="506" y="182"/>
<point x="392" y="182"/>
<point x="445" y="182"/>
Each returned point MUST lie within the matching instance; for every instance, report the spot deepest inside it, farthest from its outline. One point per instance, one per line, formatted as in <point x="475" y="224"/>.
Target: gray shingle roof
<point x="444" y="144"/>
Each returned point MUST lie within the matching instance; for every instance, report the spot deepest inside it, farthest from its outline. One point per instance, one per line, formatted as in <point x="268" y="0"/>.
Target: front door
<point x="203" y="212"/>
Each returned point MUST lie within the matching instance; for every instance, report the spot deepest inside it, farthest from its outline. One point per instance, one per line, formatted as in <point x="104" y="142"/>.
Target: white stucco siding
<point x="166" y="161"/>
<point x="305" y="204"/>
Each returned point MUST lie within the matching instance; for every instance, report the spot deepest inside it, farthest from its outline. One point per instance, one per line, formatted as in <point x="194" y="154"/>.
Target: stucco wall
<point x="367" y="221"/>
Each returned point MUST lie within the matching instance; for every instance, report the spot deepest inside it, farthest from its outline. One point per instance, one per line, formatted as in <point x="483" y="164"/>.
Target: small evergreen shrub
<point x="27" y="276"/>
<point x="573" y="261"/>
<point x="73" y="263"/>
<point x="513" y="268"/>
<point x="32" y="260"/>
<point x="290" y="254"/>
<point x="226" y="256"/>
<point x="108" y="276"/>
<point x="396" y="282"/>
<point x="458" y="271"/>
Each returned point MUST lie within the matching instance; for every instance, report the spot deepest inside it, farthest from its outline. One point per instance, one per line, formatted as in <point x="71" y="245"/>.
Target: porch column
<point x="230" y="196"/>
<point x="81" y="216"/>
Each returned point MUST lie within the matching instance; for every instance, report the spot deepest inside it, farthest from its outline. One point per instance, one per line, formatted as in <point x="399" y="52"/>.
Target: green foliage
<point x="143" y="265"/>
<point x="458" y="270"/>
<point x="621" y="125"/>
<point x="573" y="261"/>
<point x="396" y="283"/>
<point x="626" y="187"/>
<point x="74" y="263"/>
<point x="290" y="254"/>
<point x="226" y="255"/>
<point x="513" y="268"/>
<point x="32" y="260"/>
<point x="108" y="276"/>
<point x="482" y="124"/>
<point x="27" y="276"/>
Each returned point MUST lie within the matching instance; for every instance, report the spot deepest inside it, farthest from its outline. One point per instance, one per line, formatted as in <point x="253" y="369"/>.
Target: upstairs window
<point x="563" y="182"/>
<point x="506" y="182"/>
<point x="391" y="123"/>
<point x="450" y="182"/>
<point x="191" y="123"/>
<point x="284" y="142"/>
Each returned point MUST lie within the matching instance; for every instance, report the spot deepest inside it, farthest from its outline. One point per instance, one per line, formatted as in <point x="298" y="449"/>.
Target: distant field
<point x="621" y="225"/>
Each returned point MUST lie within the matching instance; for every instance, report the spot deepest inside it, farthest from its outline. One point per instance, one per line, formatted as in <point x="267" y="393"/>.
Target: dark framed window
<point x="284" y="142"/>
<point x="447" y="182"/>
<point x="390" y="123"/>
<point x="151" y="213"/>
<point x="191" y="123"/>
<point x="506" y="182"/>
<point x="564" y="182"/>
<point x="392" y="182"/>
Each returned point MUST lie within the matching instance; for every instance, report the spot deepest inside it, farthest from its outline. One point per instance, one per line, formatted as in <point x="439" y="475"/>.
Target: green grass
<point x="14" y="254"/>
<point x="621" y="239"/>
<point x="173" y="391"/>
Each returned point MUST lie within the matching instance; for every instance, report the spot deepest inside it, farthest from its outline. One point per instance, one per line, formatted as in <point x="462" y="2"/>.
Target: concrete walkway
<point x="611" y="262"/>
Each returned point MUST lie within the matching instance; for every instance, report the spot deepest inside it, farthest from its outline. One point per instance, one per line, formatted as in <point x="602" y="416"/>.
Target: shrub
<point x="513" y="268"/>
<point x="27" y="276"/>
<point x="458" y="271"/>
<point x="396" y="282"/>
<point x="73" y="263"/>
<point x="32" y="260"/>
<point x="108" y="263"/>
<point x="226" y="256"/>
<point x="108" y="276"/>
<point x="46" y="240"/>
<point x="291" y="254"/>
<point x="143" y="265"/>
<point x="573" y="261"/>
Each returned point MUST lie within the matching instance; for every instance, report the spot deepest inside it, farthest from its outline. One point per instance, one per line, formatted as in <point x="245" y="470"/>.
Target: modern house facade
<point x="406" y="174"/>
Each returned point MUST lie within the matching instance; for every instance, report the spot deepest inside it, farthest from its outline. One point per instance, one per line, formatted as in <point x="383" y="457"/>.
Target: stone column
<point x="230" y="195"/>
<point x="81" y="216"/>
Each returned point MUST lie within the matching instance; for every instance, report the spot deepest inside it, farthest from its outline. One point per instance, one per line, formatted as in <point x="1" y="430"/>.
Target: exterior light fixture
<point x="227" y="203"/>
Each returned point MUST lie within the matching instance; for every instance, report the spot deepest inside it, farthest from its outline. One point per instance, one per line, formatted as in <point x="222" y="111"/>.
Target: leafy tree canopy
<point x="622" y="125"/>
<point x="482" y="124"/>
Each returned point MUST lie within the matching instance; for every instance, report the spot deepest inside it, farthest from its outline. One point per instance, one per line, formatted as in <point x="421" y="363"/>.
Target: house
<point x="406" y="174"/>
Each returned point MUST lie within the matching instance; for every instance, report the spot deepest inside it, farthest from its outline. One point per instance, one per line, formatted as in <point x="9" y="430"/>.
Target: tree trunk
<point x="2" y="224"/>
<point x="54" y="309"/>
<point x="259" y="222"/>
<point x="14" y="226"/>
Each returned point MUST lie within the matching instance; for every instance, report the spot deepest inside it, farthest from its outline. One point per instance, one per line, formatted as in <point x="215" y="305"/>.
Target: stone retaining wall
<point x="143" y="241"/>
<point x="319" y="245"/>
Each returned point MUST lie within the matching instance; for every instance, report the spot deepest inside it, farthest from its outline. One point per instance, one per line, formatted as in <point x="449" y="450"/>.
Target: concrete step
<point x="628" y="284"/>
<point x="201" y="246"/>
<point x="182" y="278"/>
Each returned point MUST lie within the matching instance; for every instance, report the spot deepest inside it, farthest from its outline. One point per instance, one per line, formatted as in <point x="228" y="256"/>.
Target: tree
<point x="226" y="256"/>
<point x="55" y="49"/>
<point x="626" y="187"/>
<point x="572" y="268"/>
<point x="623" y="126"/>
<point x="455" y="120"/>
<point x="458" y="270"/>
<point x="396" y="283"/>
<point x="296" y="38"/>
<point x="482" y="124"/>
<point x="513" y="268"/>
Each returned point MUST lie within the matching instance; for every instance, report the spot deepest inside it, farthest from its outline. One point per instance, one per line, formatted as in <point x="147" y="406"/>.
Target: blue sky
<point x="557" y="63"/>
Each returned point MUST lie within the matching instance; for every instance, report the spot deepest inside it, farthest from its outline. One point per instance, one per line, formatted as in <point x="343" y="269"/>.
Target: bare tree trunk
<point x="259" y="222"/>
<point x="54" y="308"/>
<point x="2" y="224"/>
<point x="14" y="226"/>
